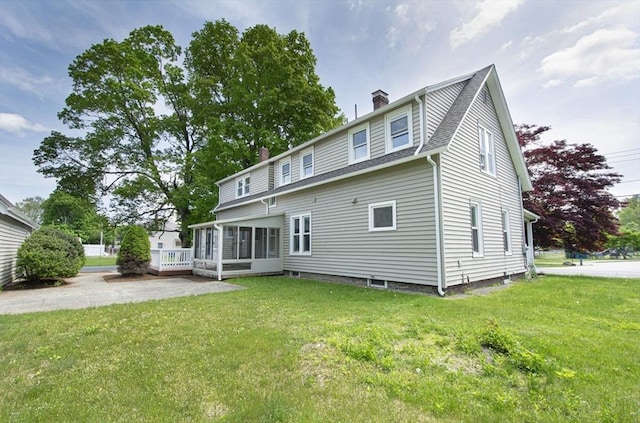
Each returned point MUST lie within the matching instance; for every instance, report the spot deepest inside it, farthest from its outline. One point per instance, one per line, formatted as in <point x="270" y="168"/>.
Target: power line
<point x="627" y="160"/>
<point x="621" y="151"/>
<point x="632" y="180"/>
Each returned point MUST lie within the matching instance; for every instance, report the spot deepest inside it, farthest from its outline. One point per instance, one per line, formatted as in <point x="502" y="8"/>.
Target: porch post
<point x="220" y="246"/>
<point x="530" y="250"/>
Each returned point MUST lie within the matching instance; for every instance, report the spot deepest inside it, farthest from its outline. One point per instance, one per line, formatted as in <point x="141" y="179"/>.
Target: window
<point x="487" y="151"/>
<point x="267" y="243"/>
<point x="242" y="186"/>
<point x="382" y="216"/>
<point x="160" y="245"/>
<point x="359" y="143"/>
<point x="301" y="235"/>
<point x="476" y="230"/>
<point x="306" y="163"/>
<point x="398" y="130"/>
<point x="285" y="171"/>
<point x="506" y="232"/>
<point x="272" y="202"/>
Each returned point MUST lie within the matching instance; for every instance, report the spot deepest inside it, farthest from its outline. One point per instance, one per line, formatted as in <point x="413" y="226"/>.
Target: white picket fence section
<point x="164" y="260"/>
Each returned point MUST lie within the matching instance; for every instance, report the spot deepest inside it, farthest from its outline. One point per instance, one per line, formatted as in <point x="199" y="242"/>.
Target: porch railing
<point x="171" y="259"/>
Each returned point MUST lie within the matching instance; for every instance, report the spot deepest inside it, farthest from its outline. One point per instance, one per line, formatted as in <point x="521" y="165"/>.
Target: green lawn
<point x="100" y="261"/>
<point x="555" y="259"/>
<point x="289" y="350"/>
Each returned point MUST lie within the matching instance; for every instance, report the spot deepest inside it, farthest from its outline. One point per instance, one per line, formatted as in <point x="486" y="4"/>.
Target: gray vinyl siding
<point x="438" y="104"/>
<point x="462" y="182"/>
<point x="256" y="208"/>
<point x="341" y="242"/>
<point x="12" y="234"/>
<point x="260" y="179"/>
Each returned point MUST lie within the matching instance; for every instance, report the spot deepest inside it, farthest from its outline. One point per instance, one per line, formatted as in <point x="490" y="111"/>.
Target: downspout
<point x="436" y="189"/>
<point x="436" y="201"/>
<point x="266" y="205"/>
<point x="219" y="264"/>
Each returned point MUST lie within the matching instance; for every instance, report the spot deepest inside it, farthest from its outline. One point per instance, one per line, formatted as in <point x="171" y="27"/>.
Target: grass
<point x="289" y="350"/>
<point x="100" y="261"/>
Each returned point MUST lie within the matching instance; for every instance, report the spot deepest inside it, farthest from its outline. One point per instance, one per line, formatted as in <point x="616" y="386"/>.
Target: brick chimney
<point x="263" y="154"/>
<point x="380" y="98"/>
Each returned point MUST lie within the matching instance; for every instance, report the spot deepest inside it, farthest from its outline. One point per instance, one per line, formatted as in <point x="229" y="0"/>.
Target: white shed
<point x="14" y="228"/>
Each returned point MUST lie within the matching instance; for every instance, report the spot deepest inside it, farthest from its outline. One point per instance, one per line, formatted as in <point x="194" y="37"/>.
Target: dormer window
<point x="359" y="143"/>
<point x="285" y="171"/>
<point x="306" y="163"/>
<point x="398" y="130"/>
<point x="242" y="186"/>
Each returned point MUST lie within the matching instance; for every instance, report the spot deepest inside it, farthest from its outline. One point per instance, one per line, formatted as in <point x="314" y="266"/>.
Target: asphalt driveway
<point x="610" y="269"/>
<point x="91" y="290"/>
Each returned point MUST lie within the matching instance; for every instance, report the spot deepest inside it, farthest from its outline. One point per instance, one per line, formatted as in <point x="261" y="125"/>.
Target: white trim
<point x="390" y="117"/>
<point x="506" y="230"/>
<point x="478" y="228"/>
<point x="303" y="153"/>
<point x="243" y="183"/>
<point x="383" y="204"/>
<point x="301" y="234"/>
<point x="281" y="163"/>
<point x="353" y="131"/>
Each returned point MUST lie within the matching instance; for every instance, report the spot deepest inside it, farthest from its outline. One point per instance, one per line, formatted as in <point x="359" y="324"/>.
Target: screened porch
<point x="238" y="247"/>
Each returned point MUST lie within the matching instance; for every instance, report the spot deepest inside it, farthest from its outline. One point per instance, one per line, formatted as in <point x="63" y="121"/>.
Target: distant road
<point x="96" y="269"/>
<point x="611" y="269"/>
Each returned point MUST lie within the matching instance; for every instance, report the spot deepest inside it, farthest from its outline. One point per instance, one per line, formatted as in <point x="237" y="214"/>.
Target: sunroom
<point x="238" y="247"/>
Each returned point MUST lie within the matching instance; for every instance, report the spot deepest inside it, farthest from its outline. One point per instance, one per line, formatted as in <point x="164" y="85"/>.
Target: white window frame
<point x="486" y="143"/>
<point x="384" y="204"/>
<point x="301" y="235"/>
<point x="506" y="232"/>
<point x="352" y="132"/>
<point x="281" y="177"/>
<point x="273" y="201"/>
<point x="395" y="115"/>
<point x="307" y="152"/>
<point x="477" y="228"/>
<point x="243" y="183"/>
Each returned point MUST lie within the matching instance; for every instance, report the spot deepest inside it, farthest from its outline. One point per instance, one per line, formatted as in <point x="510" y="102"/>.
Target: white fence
<point x="93" y="250"/>
<point x="171" y="259"/>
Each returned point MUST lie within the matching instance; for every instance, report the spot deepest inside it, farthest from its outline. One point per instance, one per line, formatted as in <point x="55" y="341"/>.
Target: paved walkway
<point x="91" y="290"/>
<point x="611" y="269"/>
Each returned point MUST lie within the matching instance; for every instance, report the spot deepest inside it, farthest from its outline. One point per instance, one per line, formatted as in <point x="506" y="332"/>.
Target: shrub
<point x="135" y="252"/>
<point x="49" y="253"/>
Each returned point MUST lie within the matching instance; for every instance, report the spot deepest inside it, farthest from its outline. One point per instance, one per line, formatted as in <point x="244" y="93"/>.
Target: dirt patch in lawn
<point x="149" y="277"/>
<point x="45" y="283"/>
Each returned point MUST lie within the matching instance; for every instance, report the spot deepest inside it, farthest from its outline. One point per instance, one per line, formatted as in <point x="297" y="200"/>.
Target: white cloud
<point x="553" y="83"/>
<point x="18" y="125"/>
<point x="20" y="78"/>
<point x="607" y="54"/>
<point x="489" y="14"/>
<point x="409" y="25"/>
<point x="625" y="12"/>
<point x="506" y="45"/>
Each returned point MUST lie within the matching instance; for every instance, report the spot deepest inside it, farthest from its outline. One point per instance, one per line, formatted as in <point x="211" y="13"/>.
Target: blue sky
<point x="573" y="65"/>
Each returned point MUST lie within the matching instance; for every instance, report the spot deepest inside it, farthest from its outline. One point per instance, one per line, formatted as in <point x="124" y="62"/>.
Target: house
<point x="424" y="193"/>
<point x="14" y="228"/>
<point x="168" y="237"/>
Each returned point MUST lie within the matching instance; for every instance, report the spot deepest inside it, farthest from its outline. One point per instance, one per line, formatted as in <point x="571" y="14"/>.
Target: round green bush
<point x="135" y="252"/>
<point x="49" y="253"/>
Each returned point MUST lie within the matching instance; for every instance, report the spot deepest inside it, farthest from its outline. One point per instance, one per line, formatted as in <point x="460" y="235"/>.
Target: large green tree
<point x="32" y="208"/>
<point x="78" y="216"/>
<point x="158" y="131"/>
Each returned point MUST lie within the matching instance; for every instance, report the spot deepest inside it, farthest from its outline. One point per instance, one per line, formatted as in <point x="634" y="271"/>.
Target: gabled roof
<point x="450" y="124"/>
<point x="11" y="211"/>
<point x="439" y="142"/>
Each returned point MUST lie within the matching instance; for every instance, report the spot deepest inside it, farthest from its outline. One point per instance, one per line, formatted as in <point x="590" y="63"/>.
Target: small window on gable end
<point x="382" y="216"/>
<point x="487" y="150"/>
<point x="398" y="130"/>
<point x="306" y="163"/>
<point x="358" y="140"/>
<point x="272" y="201"/>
